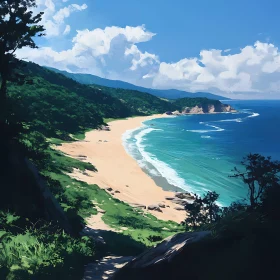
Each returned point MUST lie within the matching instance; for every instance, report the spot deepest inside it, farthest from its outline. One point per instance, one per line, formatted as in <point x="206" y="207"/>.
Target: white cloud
<point x="66" y="11"/>
<point x="109" y="52"/>
<point x="67" y="30"/>
<point x="140" y="59"/>
<point x="53" y="19"/>
<point x="246" y="71"/>
<point x="114" y="53"/>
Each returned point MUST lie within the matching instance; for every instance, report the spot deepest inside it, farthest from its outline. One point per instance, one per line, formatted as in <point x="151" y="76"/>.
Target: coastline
<point x="118" y="172"/>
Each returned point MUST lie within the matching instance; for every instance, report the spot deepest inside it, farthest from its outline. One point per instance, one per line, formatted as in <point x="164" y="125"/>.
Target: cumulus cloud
<point x="246" y="71"/>
<point x="54" y="19"/>
<point x="109" y="52"/>
<point x="67" y="30"/>
<point x="114" y="52"/>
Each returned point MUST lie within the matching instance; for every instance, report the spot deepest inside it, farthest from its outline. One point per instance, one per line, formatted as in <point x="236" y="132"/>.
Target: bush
<point x="42" y="253"/>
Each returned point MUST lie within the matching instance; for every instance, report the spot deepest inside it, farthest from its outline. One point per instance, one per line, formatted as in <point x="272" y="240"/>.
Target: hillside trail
<point x="105" y="268"/>
<point x="108" y="265"/>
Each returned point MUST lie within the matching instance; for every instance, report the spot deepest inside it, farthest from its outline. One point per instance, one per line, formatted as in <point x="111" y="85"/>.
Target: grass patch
<point x="141" y="227"/>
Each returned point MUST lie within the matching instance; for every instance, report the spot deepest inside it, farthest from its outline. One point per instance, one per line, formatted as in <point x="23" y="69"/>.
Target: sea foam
<point x="162" y="168"/>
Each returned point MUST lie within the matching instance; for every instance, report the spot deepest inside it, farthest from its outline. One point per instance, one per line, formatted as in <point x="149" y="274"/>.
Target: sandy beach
<point x="118" y="170"/>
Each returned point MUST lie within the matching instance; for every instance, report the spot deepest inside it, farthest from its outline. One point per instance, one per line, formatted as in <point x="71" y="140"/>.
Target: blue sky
<point x="192" y="25"/>
<point x="220" y="46"/>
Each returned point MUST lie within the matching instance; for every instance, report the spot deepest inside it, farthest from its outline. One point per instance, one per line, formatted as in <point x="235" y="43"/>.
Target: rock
<point x="141" y="206"/>
<point x="193" y="110"/>
<point x="161" y="205"/>
<point x="101" y="211"/>
<point x="167" y="260"/>
<point x="169" y="113"/>
<point x="179" y="201"/>
<point x="154" y="208"/>
<point x="109" y="189"/>
<point x="169" y="197"/>
<point x="180" y="208"/>
<point x="117" y="191"/>
<point x="176" y="113"/>
<point x="184" y="195"/>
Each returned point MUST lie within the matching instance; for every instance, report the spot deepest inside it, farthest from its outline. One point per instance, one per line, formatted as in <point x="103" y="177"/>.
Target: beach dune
<point x="119" y="171"/>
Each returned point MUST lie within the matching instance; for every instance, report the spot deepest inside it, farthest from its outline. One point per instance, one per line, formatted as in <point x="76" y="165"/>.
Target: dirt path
<point x="105" y="268"/>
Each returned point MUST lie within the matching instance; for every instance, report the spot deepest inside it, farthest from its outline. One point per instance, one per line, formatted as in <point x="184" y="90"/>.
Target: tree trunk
<point x="252" y="199"/>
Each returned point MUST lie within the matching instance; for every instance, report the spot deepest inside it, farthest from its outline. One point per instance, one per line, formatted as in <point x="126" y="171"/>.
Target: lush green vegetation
<point x="47" y="110"/>
<point x="138" y="102"/>
<point x="40" y="251"/>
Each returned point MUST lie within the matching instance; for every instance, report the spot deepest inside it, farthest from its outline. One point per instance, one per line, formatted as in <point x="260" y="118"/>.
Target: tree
<point x="195" y="216"/>
<point x="203" y="210"/>
<point x="211" y="209"/>
<point x="259" y="175"/>
<point x="18" y="27"/>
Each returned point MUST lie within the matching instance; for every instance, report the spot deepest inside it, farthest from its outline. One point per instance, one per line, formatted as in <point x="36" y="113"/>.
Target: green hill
<point x="54" y="103"/>
<point x="138" y="102"/>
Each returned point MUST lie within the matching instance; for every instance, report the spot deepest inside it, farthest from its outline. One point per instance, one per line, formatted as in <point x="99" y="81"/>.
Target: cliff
<point x="209" y="109"/>
<point x="201" y="106"/>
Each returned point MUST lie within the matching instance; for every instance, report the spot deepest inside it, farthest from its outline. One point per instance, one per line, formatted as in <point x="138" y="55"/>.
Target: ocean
<point x="197" y="153"/>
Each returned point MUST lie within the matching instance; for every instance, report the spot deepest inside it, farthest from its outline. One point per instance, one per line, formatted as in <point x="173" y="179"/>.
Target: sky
<point x="220" y="46"/>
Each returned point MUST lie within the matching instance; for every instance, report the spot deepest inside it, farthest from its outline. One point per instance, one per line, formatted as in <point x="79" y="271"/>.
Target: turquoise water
<point x="197" y="153"/>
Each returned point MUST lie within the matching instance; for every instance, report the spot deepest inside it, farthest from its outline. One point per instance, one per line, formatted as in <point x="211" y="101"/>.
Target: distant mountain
<point x="89" y="79"/>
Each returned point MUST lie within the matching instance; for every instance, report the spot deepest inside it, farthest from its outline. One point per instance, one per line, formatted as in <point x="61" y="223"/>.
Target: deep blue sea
<point x="197" y="153"/>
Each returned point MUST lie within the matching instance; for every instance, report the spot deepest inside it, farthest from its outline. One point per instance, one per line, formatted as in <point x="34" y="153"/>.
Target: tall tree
<point x="195" y="217"/>
<point x="211" y="209"/>
<point x="259" y="175"/>
<point x="18" y="27"/>
<point x="203" y="210"/>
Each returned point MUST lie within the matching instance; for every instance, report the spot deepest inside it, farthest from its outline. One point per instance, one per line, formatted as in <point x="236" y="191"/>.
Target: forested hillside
<point x="138" y="102"/>
<point x="54" y="103"/>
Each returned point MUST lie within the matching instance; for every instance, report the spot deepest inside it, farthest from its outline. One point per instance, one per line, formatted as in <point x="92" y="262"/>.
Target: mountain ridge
<point x="161" y="93"/>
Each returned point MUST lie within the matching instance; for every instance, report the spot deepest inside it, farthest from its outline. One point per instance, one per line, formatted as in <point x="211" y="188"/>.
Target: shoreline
<point x="118" y="172"/>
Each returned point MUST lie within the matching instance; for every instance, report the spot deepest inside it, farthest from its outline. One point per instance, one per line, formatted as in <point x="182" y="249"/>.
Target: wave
<point x="161" y="167"/>
<point x="206" y="137"/>
<point x="253" y="115"/>
<point x="217" y="129"/>
<point x="239" y="120"/>
<point x="231" y="120"/>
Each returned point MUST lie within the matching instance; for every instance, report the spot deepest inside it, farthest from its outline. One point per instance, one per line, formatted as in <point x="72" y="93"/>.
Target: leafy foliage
<point x="18" y="27"/>
<point x="259" y="175"/>
<point x="203" y="210"/>
<point x="39" y="253"/>
<point x="140" y="103"/>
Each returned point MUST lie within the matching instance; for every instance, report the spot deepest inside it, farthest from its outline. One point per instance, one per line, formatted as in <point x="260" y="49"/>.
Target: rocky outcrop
<point x="206" y="109"/>
<point x="193" y="110"/>
<point x="154" y="208"/>
<point x="158" y="262"/>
